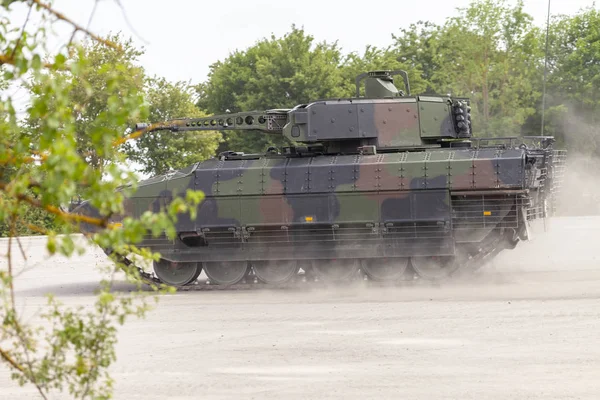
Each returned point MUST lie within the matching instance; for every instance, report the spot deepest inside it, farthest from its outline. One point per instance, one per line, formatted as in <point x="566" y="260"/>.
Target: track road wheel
<point x="385" y="269"/>
<point x="177" y="273"/>
<point x="225" y="272"/>
<point x="335" y="270"/>
<point x="435" y="267"/>
<point x="275" y="272"/>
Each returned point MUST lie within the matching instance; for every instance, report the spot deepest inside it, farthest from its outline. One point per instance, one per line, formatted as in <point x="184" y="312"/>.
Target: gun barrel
<point x="140" y="126"/>
<point x="270" y="121"/>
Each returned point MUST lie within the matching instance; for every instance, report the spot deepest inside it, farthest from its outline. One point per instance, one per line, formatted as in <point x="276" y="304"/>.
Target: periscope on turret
<point x="387" y="185"/>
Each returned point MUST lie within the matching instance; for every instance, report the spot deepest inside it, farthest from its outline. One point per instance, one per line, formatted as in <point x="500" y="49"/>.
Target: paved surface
<point x="526" y="327"/>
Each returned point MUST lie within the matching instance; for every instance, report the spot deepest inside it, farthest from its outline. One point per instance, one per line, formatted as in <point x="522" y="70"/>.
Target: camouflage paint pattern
<point x="337" y="189"/>
<point x="286" y="195"/>
<point x="408" y="121"/>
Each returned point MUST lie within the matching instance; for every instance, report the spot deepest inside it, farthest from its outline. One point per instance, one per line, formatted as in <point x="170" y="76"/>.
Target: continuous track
<point x="472" y="261"/>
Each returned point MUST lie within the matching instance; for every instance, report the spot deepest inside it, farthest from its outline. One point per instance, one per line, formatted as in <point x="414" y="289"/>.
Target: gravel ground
<point x="525" y="327"/>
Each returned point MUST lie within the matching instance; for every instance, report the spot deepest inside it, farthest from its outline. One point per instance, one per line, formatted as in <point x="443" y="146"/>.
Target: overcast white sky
<point x="185" y="36"/>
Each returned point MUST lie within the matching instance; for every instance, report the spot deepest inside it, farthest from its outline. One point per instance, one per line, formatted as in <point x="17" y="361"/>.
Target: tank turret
<point x="384" y="119"/>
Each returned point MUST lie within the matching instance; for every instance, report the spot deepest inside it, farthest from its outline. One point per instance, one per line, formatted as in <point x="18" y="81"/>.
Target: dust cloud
<point x="564" y="248"/>
<point x="580" y="190"/>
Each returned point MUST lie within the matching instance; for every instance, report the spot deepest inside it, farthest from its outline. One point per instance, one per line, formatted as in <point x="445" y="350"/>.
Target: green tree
<point x="491" y="53"/>
<point x="573" y="102"/>
<point x="417" y="48"/>
<point x="106" y="73"/>
<point x="161" y="151"/>
<point x="77" y="117"/>
<point x="274" y="73"/>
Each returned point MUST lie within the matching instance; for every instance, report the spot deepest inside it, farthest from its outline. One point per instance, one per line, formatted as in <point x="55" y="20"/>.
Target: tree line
<point x="491" y="52"/>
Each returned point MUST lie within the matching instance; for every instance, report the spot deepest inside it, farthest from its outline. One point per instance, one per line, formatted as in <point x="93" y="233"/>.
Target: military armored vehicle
<point x="382" y="183"/>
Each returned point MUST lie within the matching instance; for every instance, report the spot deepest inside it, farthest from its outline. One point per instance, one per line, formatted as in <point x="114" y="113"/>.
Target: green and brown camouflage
<point x="386" y="176"/>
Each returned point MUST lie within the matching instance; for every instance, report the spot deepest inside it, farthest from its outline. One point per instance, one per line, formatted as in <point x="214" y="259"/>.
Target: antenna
<point x="545" y="68"/>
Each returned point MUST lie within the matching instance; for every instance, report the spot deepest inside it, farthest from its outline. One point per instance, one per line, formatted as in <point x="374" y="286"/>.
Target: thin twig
<point x="129" y="24"/>
<point x="20" y="333"/>
<point x="6" y="356"/>
<point x="103" y="320"/>
<point x="36" y="228"/>
<point x="75" y="25"/>
<point x="10" y="60"/>
<point x="27" y="269"/>
<point x="87" y="26"/>
<point x="22" y="31"/>
<point x="21" y="248"/>
<point x="18" y="329"/>
<point x="12" y="160"/>
<point x="72" y="37"/>
<point x="11" y="287"/>
<point x="100" y="222"/>
<point x="29" y="373"/>
<point x="92" y="15"/>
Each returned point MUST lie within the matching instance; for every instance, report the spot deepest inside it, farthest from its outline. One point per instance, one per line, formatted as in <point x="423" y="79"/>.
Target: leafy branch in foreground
<point x="66" y="144"/>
